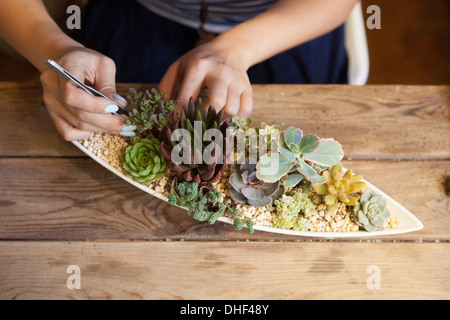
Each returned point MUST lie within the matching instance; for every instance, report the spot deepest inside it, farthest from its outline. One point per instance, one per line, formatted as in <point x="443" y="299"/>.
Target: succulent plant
<point x="338" y="187"/>
<point x="299" y="157"/>
<point x="142" y="160"/>
<point x="190" y="158"/>
<point x="289" y="208"/>
<point x="203" y="203"/>
<point x="371" y="212"/>
<point x="239" y="224"/>
<point x="149" y="111"/>
<point x="246" y="188"/>
<point x="237" y="124"/>
<point x="244" y="138"/>
<point x="269" y="136"/>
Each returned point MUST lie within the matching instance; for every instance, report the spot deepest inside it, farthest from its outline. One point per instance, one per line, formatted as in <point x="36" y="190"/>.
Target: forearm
<point x="287" y="24"/>
<point x="27" y="27"/>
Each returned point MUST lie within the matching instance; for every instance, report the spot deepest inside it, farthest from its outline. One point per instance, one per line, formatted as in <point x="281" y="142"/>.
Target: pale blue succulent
<point x="371" y="212"/>
<point x="299" y="157"/>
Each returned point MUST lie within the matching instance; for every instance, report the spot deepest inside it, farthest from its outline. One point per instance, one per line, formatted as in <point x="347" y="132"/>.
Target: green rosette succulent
<point x="371" y="212"/>
<point x="142" y="160"/>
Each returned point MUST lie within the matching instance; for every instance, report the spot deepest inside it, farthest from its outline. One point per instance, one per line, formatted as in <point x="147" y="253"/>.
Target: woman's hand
<point x="220" y="65"/>
<point x="224" y="77"/>
<point x="76" y="113"/>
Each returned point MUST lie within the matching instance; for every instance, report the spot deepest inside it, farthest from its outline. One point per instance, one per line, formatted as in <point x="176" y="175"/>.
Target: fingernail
<point x="111" y="108"/>
<point x="127" y="133"/>
<point x="129" y="128"/>
<point x="119" y="97"/>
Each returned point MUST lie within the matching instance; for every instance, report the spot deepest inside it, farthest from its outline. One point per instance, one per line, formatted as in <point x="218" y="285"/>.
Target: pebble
<point x="111" y="147"/>
<point x="107" y="147"/>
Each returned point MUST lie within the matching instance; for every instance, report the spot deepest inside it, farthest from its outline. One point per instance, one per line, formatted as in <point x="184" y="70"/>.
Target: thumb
<point x="105" y="80"/>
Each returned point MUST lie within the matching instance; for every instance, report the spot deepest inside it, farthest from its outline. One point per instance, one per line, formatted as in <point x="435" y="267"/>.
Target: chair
<point x="356" y="46"/>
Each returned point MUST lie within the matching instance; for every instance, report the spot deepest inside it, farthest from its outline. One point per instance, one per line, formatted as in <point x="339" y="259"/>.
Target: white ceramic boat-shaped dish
<point x="408" y="222"/>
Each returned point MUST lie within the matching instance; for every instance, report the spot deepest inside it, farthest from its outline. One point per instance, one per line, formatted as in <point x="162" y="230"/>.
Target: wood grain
<point x="398" y="137"/>
<point x="224" y="270"/>
<point x="371" y="122"/>
<point x="26" y="127"/>
<point x="77" y="199"/>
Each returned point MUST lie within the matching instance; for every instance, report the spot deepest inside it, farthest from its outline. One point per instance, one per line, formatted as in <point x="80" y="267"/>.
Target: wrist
<point x="234" y="50"/>
<point x="54" y="44"/>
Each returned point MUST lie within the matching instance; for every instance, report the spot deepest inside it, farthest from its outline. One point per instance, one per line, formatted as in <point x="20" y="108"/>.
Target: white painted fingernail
<point x="111" y="108"/>
<point x="127" y="133"/>
<point x="119" y="97"/>
<point x="129" y="128"/>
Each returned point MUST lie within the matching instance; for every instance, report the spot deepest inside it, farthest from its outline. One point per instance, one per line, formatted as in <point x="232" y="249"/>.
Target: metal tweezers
<point x="79" y="84"/>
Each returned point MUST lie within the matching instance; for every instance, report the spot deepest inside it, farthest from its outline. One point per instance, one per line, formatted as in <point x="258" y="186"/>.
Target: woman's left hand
<point x="223" y="76"/>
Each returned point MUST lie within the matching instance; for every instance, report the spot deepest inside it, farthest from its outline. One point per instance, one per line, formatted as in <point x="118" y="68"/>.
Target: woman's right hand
<point x="76" y="113"/>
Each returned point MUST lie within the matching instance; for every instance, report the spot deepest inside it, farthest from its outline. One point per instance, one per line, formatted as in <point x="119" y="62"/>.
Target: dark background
<point x="412" y="46"/>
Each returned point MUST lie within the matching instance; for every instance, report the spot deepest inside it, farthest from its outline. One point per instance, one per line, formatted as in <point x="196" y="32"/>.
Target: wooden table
<point x="59" y="208"/>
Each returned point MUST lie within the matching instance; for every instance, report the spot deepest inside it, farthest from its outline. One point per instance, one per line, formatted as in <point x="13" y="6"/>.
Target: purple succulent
<point x="246" y="188"/>
<point x="197" y="169"/>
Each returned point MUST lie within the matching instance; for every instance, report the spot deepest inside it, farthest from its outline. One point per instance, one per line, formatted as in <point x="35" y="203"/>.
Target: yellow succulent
<point x="339" y="187"/>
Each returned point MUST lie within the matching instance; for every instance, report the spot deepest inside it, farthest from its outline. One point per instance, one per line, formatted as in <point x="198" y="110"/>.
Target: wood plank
<point x="26" y="127"/>
<point x="77" y="199"/>
<point x="372" y="122"/>
<point x="225" y="270"/>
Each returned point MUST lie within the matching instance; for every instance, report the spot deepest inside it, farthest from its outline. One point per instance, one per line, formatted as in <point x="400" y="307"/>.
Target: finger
<point x="119" y="99"/>
<point x="68" y="94"/>
<point x="105" y="81"/>
<point x="71" y="95"/>
<point x="67" y="130"/>
<point x="78" y="98"/>
<point x="233" y="102"/>
<point x="105" y="77"/>
<point x="103" y="122"/>
<point x="191" y="85"/>
<point x="83" y="120"/>
<point x="170" y="82"/>
<point x="246" y="105"/>
<point x="216" y="94"/>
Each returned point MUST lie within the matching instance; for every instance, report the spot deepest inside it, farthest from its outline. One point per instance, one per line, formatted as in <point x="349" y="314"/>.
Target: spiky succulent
<point x="371" y="212"/>
<point x="185" y="144"/>
<point x="246" y="188"/>
<point x="149" y="111"/>
<point x="339" y="187"/>
<point x="142" y="160"/>
<point x="299" y="157"/>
